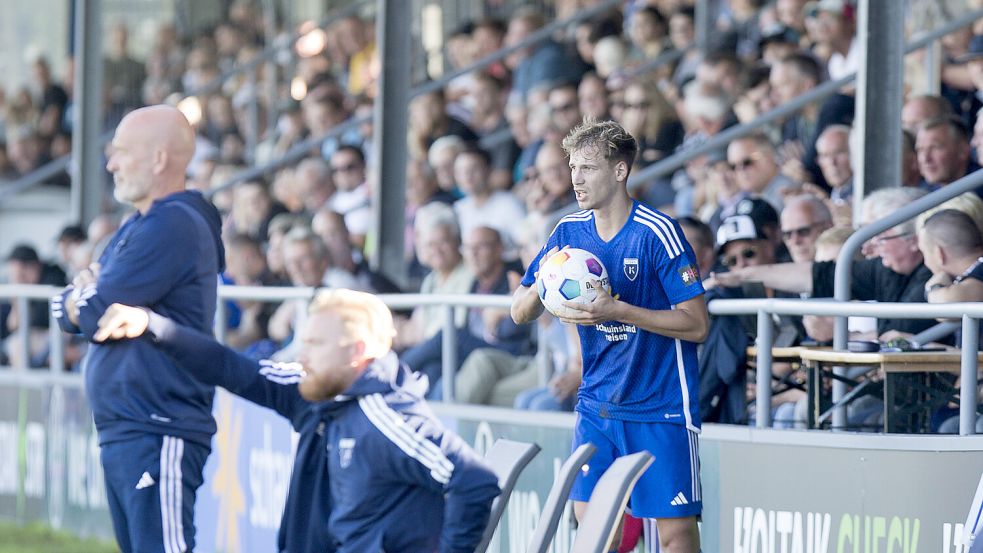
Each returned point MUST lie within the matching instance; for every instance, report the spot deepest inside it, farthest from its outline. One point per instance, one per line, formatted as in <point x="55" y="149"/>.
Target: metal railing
<point x="968" y="313"/>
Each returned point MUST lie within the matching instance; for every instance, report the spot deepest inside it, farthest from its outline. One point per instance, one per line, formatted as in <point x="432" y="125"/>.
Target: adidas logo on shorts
<point x="679" y="500"/>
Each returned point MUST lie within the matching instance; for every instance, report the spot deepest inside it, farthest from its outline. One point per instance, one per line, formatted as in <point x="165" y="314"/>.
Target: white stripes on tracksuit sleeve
<point x="171" y="488"/>
<point x="409" y="441"/>
<point x="281" y="373"/>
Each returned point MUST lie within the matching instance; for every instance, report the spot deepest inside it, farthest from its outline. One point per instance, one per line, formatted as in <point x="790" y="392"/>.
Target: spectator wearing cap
<point x="755" y="165"/>
<point x="892" y="272"/>
<point x="943" y="150"/>
<point x="24" y="266"/>
<point x="834" y="29"/>
<point x="741" y="243"/>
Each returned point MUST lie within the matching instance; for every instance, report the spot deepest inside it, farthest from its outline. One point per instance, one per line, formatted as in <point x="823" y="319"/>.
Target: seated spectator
<point x="486" y="327"/>
<point x="648" y="31"/>
<point x="437" y="236"/>
<point x="896" y="274"/>
<point x="482" y="205"/>
<point x="592" y="97"/>
<point x="245" y="264"/>
<point x="943" y="152"/>
<point x="741" y="243"/>
<point x="833" y="157"/>
<point x="550" y="192"/>
<point x="347" y="262"/>
<point x="440" y="157"/>
<point x="429" y="120"/>
<point x="652" y="121"/>
<point x="953" y="249"/>
<point x="919" y="109"/>
<point x="70" y="239"/>
<point x="777" y="41"/>
<point x="834" y="31"/>
<point x="564" y="110"/>
<point x="488" y="120"/>
<point x="352" y="197"/>
<point x="24" y="266"/>
<point x="755" y="165"/>
<point x="308" y="265"/>
<point x="546" y="62"/>
<point x="252" y="209"/>
<point x="804" y="218"/>
<point x="313" y="183"/>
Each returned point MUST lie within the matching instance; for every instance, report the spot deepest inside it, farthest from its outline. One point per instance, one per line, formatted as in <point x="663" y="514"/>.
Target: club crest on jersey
<point x="631" y="267"/>
<point x="346" y="447"/>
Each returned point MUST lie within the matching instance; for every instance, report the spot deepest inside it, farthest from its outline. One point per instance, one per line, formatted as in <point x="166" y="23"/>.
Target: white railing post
<point x="968" y="375"/>
<point x="762" y="402"/>
<point x="448" y="347"/>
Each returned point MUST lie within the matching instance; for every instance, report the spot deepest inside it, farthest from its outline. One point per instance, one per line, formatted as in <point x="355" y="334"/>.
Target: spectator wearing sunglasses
<point x="804" y="218"/>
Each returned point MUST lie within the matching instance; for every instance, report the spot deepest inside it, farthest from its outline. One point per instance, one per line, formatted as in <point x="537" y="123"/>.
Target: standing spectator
<point x="147" y="411"/>
<point x="124" y="75"/>
<point x="53" y="100"/>
<point x="429" y="120"/>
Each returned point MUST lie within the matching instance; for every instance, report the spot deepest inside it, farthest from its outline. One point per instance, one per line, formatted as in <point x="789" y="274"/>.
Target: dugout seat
<point x="607" y="503"/>
<point x="508" y="459"/>
<point x="556" y="501"/>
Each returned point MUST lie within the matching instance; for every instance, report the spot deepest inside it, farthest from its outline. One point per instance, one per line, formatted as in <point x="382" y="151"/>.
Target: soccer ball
<point x="566" y="275"/>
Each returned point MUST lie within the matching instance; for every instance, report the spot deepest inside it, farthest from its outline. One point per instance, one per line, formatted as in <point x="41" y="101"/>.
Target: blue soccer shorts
<point x="151" y="482"/>
<point x="669" y="488"/>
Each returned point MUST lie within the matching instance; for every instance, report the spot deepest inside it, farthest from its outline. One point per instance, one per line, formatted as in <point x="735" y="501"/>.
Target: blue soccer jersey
<point x="629" y="373"/>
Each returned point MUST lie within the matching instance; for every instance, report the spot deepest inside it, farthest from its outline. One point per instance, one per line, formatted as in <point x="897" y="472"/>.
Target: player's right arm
<point x="526" y="305"/>
<point x="271" y="385"/>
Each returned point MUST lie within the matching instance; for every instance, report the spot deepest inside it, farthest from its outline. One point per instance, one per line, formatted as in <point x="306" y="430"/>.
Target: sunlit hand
<point x="603" y="308"/>
<point x="122" y="321"/>
<point x="730" y="279"/>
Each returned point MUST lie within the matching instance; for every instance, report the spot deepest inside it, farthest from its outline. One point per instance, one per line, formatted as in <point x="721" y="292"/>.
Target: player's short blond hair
<point x="363" y="315"/>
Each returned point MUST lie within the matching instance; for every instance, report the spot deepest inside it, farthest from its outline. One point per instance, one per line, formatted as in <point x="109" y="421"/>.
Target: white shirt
<point x="501" y="211"/>
<point x="355" y="206"/>
<point x="840" y="66"/>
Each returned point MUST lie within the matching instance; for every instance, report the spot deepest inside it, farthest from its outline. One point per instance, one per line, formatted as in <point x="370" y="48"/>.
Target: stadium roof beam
<point x="389" y="115"/>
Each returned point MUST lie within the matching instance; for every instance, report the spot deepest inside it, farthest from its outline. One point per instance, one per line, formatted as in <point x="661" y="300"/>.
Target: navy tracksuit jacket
<point x="167" y="260"/>
<point x="374" y="471"/>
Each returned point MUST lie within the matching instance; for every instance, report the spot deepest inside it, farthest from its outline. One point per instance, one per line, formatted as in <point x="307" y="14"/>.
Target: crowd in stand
<point x="486" y="178"/>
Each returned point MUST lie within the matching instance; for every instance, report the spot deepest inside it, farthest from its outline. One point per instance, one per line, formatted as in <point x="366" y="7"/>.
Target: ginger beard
<point x="332" y="360"/>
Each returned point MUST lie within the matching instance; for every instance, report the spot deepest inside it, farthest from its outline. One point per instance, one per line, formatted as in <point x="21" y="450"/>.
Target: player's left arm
<point x="687" y="320"/>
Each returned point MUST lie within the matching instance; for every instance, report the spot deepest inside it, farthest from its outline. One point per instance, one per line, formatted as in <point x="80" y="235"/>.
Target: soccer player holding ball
<point x="639" y="389"/>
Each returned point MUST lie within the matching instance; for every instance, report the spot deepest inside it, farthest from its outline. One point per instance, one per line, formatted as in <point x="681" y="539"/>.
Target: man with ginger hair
<point x="154" y="421"/>
<point x="370" y="451"/>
